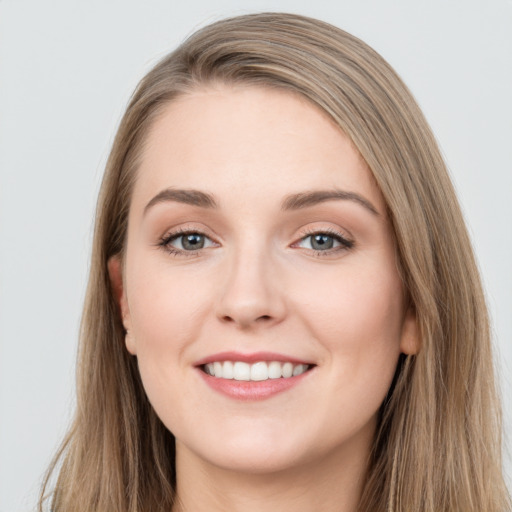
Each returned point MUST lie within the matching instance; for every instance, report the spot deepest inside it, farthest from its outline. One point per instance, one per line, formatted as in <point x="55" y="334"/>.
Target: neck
<point x="333" y="483"/>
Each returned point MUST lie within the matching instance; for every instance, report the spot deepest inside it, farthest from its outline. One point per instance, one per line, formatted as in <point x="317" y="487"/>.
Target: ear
<point x="410" y="342"/>
<point x="115" y="271"/>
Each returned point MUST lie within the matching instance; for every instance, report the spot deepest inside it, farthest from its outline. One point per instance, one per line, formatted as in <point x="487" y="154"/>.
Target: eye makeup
<point x="189" y="242"/>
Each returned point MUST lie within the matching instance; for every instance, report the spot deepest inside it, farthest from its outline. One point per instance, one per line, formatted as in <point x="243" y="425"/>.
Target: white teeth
<point x="274" y="370"/>
<point x="241" y="371"/>
<point x="287" y="370"/>
<point x="259" y="371"/>
<point x="227" y="370"/>
<point x="300" y="368"/>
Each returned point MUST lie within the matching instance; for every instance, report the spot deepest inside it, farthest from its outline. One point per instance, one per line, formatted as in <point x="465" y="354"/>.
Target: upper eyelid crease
<point x="292" y="202"/>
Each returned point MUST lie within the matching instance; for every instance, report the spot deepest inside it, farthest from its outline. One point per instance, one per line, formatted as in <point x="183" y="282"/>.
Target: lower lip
<point x="251" y="390"/>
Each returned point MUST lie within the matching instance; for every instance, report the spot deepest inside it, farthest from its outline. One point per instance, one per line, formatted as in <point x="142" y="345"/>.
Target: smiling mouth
<point x="256" y="372"/>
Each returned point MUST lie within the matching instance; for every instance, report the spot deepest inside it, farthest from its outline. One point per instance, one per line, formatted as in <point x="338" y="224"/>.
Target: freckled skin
<point x="257" y="285"/>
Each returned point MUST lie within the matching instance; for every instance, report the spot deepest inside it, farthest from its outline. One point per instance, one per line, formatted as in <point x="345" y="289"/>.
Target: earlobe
<point x="410" y="339"/>
<point x="130" y="343"/>
<point x="115" y="271"/>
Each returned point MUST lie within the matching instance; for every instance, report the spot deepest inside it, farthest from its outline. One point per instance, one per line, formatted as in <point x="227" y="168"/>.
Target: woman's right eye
<point x="186" y="242"/>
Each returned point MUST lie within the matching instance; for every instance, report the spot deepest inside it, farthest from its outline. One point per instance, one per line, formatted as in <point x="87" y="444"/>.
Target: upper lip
<point x="253" y="357"/>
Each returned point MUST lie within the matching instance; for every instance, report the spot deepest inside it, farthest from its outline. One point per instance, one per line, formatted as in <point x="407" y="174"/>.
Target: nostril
<point x="262" y="319"/>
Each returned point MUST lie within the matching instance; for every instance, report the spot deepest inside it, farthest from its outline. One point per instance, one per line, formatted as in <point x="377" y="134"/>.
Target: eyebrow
<point x="314" y="197"/>
<point x="185" y="196"/>
<point x="290" y="203"/>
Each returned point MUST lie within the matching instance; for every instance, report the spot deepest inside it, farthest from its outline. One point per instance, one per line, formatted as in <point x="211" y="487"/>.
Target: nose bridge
<point x="250" y="294"/>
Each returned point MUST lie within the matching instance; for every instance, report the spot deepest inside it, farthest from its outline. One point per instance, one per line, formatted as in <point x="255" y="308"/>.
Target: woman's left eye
<point x="323" y="242"/>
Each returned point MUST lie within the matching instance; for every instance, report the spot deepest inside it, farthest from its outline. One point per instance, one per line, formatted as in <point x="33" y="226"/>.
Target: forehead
<point x="254" y="142"/>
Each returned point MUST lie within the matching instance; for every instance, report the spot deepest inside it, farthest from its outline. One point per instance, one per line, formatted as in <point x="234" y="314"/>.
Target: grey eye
<point x="190" y="242"/>
<point x="321" y="242"/>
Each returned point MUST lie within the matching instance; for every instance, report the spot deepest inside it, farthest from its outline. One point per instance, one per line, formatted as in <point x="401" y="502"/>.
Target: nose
<point x="251" y="296"/>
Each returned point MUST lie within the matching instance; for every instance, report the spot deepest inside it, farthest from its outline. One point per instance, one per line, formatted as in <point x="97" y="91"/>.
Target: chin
<point x="256" y="461"/>
<point x="249" y="450"/>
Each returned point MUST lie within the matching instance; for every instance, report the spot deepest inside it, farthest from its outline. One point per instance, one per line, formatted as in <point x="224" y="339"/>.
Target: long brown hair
<point x="438" y="445"/>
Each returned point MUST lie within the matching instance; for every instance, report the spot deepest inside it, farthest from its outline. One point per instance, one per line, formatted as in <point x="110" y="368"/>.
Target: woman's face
<point x="259" y="247"/>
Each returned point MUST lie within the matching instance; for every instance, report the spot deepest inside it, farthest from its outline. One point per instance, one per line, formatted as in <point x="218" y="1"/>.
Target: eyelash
<point x="345" y="243"/>
<point x="165" y="242"/>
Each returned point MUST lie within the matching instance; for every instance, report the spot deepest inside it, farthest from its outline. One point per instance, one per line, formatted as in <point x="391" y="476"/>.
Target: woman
<point x="283" y="308"/>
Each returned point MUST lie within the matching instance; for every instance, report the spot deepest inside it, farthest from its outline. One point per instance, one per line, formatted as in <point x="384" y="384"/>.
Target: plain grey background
<point x="67" y="69"/>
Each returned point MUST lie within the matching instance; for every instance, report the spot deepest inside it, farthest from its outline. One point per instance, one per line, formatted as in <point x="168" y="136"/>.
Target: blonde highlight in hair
<point x="438" y="445"/>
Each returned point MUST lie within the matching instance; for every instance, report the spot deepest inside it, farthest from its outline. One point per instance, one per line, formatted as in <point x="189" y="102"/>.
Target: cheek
<point x="365" y="304"/>
<point x="358" y="322"/>
<point x="166" y="305"/>
<point x="167" y="310"/>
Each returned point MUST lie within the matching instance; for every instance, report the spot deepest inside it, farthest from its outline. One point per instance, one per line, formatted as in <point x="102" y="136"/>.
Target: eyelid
<point x="346" y="242"/>
<point x="174" y="233"/>
<point x="176" y="237"/>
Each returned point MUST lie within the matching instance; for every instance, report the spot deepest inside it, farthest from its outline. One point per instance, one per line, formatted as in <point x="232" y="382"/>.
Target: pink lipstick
<point x="253" y="376"/>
